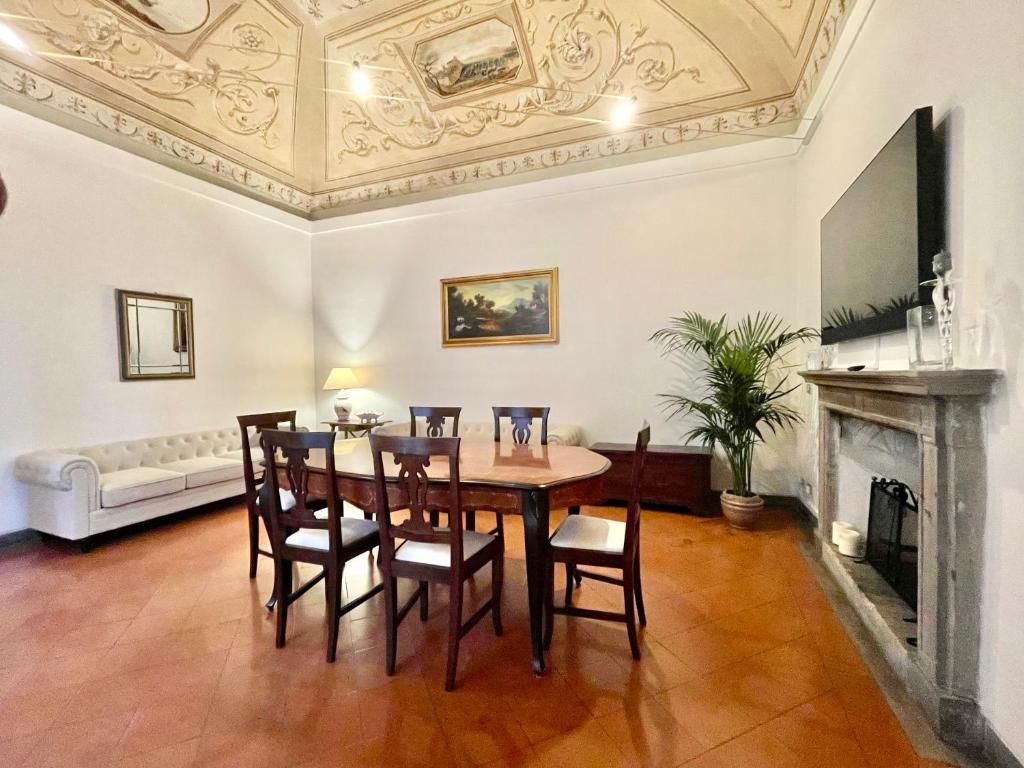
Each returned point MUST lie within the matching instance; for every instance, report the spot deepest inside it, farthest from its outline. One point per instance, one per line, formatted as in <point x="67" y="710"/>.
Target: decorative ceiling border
<point x="148" y="139"/>
<point x="91" y="115"/>
<point x="733" y="122"/>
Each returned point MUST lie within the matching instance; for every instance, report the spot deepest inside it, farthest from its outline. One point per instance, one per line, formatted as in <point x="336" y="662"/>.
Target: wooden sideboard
<point x="675" y="476"/>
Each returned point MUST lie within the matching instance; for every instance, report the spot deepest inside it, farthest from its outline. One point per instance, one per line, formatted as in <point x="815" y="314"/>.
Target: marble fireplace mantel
<point x="946" y="411"/>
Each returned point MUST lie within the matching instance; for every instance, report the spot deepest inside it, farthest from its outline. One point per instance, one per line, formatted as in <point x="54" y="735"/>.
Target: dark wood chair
<point x="581" y="540"/>
<point x="253" y="476"/>
<point x="299" y="535"/>
<point x="435" y="419"/>
<point x="415" y="549"/>
<point x="522" y="423"/>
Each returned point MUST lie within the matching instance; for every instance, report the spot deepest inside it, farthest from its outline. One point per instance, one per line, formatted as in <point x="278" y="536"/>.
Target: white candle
<point x="851" y="543"/>
<point x="837" y="527"/>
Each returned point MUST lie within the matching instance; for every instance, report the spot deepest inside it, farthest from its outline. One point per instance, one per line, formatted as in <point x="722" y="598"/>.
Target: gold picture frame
<point x="155" y="336"/>
<point x="503" y="308"/>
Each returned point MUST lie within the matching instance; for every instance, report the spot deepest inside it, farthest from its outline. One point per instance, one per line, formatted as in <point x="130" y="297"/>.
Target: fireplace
<point x="892" y="536"/>
<point x="925" y="429"/>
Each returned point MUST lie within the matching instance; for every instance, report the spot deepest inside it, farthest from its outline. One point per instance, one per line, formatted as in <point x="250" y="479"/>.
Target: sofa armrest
<point x="63" y="490"/>
<point x="54" y="469"/>
<point x="565" y="434"/>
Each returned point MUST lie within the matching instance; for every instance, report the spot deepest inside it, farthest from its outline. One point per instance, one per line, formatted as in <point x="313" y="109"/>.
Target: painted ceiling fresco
<point x="326" y="107"/>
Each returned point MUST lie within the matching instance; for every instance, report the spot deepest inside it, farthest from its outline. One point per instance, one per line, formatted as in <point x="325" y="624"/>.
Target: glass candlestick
<point x="944" y="299"/>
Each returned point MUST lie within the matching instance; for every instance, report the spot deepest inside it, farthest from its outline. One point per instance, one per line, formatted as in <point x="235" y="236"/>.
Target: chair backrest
<point x="435" y="418"/>
<point x="643" y="438"/>
<point x="259" y="422"/>
<point x="522" y="423"/>
<point x="410" y="491"/>
<point x="285" y="455"/>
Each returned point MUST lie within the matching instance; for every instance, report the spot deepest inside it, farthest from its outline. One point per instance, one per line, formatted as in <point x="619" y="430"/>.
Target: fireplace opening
<point x="892" y="536"/>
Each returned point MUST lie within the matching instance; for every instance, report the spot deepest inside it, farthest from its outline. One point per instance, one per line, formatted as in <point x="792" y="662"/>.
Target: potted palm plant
<point x="744" y="383"/>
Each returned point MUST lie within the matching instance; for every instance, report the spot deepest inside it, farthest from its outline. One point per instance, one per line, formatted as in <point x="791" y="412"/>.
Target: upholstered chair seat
<point x="594" y="534"/>
<point x="353" y="531"/>
<point x="440" y="553"/>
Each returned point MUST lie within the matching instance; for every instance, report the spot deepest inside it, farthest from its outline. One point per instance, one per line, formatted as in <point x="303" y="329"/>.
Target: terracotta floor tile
<point x="182" y="755"/>
<point x="30" y="712"/>
<point x="161" y="725"/>
<point x="588" y="746"/>
<point x="647" y="734"/>
<point x="744" y="664"/>
<point x="88" y="744"/>
<point x="716" y="709"/>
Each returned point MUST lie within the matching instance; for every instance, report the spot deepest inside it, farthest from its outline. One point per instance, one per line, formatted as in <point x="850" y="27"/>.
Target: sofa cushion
<point x="130" y="485"/>
<point x="206" y="470"/>
<point x="257" y="456"/>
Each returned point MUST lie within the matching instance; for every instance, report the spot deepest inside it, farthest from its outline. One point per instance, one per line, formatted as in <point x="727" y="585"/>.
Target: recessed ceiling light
<point x="359" y="82"/>
<point x="11" y="39"/>
<point x="623" y="112"/>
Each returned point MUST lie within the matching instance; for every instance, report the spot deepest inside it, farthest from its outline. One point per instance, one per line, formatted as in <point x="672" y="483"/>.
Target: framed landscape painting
<point x="511" y="308"/>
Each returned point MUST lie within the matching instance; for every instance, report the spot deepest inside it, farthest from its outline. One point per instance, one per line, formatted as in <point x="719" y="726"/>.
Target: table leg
<point x="536" y="530"/>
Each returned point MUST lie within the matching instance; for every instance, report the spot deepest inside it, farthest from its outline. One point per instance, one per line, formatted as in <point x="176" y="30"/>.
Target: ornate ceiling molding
<point x="498" y="91"/>
<point x="146" y="139"/>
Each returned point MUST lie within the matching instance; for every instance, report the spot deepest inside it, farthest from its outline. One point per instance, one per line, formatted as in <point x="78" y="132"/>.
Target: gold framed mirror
<point x="155" y="336"/>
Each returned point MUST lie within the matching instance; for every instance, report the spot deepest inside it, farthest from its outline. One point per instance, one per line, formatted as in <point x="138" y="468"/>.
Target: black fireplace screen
<point x="892" y="536"/>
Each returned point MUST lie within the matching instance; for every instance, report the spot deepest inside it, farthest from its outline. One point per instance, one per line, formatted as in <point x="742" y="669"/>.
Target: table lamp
<point x="342" y="380"/>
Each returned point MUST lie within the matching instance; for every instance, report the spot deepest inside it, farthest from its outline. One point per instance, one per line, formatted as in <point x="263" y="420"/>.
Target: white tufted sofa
<point x="79" y="492"/>
<point x="560" y="434"/>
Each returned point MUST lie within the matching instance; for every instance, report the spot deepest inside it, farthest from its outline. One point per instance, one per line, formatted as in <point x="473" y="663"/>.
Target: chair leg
<point x="574" y="510"/>
<point x="497" y="579"/>
<point x="424" y="600"/>
<point x="627" y="594"/>
<point x="570" y="578"/>
<point x="549" y="602"/>
<point x="332" y="586"/>
<point x="254" y="543"/>
<point x="282" y="590"/>
<point x="454" y="630"/>
<point x="470" y="519"/>
<point x="391" y="624"/>
<point x="641" y="613"/>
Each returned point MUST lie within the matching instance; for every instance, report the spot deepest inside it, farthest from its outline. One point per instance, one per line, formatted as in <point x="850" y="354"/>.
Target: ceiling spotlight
<point x="623" y="112"/>
<point x="11" y="39"/>
<point x="359" y="81"/>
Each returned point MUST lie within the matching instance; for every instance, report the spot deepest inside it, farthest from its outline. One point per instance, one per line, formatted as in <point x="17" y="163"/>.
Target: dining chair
<point x="435" y="419"/>
<point x="415" y="549"/>
<point x="299" y="535"/>
<point x="522" y="423"/>
<point x="253" y="479"/>
<point x="582" y="540"/>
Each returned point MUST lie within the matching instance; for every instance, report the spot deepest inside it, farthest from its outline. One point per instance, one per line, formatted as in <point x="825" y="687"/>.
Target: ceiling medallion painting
<point x="584" y="54"/>
<point x="395" y="100"/>
<point x="469" y="61"/>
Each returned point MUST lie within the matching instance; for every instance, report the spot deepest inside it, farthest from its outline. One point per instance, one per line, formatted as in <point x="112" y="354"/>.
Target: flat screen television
<point x="878" y="240"/>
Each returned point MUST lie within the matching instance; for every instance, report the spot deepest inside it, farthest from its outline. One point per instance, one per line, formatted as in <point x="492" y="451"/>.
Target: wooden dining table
<point x="509" y="479"/>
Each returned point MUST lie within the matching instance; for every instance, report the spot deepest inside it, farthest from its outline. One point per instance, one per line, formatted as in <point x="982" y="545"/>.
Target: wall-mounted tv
<point x="878" y="241"/>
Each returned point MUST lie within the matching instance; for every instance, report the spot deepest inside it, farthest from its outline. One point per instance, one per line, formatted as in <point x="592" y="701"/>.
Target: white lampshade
<point x="341" y="378"/>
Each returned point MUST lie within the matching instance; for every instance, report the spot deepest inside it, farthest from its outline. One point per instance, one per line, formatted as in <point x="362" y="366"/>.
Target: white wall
<point x="83" y="219"/>
<point x="960" y="58"/>
<point x="629" y="256"/>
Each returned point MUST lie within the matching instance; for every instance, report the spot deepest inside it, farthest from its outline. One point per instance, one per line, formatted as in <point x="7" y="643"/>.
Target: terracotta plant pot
<point x="742" y="511"/>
